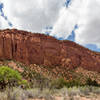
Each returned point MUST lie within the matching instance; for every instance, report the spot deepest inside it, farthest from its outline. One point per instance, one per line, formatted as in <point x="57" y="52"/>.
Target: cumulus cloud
<point x="3" y="23"/>
<point x="89" y="31"/>
<point x="69" y="17"/>
<point x="84" y="13"/>
<point x="32" y="15"/>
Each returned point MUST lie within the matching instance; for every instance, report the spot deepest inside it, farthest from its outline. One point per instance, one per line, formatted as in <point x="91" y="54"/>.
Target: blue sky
<point x="63" y="19"/>
<point x="67" y="3"/>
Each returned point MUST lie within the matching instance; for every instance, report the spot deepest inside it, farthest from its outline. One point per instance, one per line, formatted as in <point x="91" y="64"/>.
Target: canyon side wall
<point x="32" y="48"/>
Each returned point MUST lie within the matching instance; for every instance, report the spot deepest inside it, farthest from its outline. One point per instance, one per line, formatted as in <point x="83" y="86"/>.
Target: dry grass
<point x="81" y="93"/>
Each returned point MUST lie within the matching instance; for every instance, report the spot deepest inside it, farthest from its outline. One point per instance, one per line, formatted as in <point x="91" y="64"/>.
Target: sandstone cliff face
<point x="45" y="50"/>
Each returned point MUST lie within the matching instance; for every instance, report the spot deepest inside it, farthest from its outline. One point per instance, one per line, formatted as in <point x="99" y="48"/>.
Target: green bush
<point x="60" y="83"/>
<point x="9" y="77"/>
<point x="23" y="83"/>
<point x="73" y="83"/>
<point x="91" y="82"/>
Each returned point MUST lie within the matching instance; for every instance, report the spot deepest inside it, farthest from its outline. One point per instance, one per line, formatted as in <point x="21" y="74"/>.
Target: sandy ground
<point x="75" y="98"/>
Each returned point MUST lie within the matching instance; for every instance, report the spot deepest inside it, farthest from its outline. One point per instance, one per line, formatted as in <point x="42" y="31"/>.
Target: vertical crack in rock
<point x="12" y="45"/>
<point x="3" y="47"/>
<point x="15" y="47"/>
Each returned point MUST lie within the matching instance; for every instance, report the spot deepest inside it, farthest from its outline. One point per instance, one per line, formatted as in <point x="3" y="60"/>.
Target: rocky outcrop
<point x="45" y="50"/>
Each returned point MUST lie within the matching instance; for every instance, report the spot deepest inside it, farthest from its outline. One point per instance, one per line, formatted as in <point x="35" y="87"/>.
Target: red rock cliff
<point x="41" y="49"/>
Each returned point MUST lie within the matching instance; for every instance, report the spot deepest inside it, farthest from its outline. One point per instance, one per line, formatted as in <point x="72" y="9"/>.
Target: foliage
<point x="58" y="83"/>
<point x="61" y="82"/>
<point x="73" y="83"/>
<point x="91" y="82"/>
<point x="23" y="84"/>
<point x="9" y="77"/>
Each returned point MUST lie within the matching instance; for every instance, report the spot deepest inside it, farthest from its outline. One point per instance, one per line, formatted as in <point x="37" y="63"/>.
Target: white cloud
<point x="85" y="13"/>
<point x="89" y="24"/>
<point x="3" y="23"/>
<point x="69" y="17"/>
<point x="32" y="15"/>
<point x="65" y="24"/>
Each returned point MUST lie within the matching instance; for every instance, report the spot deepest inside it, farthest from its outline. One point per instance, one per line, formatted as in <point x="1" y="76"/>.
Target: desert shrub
<point x="61" y="82"/>
<point x="73" y="83"/>
<point x="91" y="82"/>
<point x="41" y="81"/>
<point x="24" y="84"/>
<point x="58" y="83"/>
<point x="9" y="77"/>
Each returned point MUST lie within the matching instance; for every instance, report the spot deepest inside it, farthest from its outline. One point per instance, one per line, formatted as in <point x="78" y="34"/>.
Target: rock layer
<point x="41" y="49"/>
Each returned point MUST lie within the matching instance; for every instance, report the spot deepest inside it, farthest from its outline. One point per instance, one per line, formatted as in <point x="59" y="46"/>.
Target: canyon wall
<point x="45" y="50"/>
